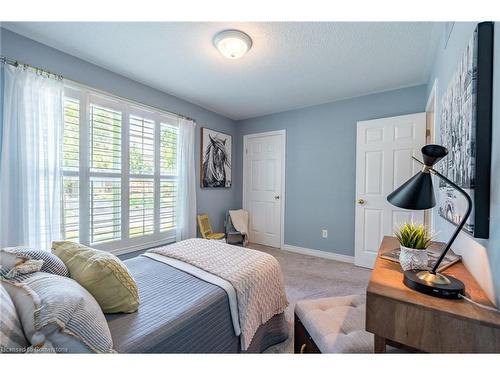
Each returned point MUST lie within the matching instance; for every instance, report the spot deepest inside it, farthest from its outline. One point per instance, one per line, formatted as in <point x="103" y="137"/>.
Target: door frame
<point x="281" y="133"/>
<point x="431" y="107"/>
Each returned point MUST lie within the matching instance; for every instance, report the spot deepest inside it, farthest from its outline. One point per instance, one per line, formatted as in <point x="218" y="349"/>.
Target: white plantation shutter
<point x="71" y="163"/>
<point x="141" y="219"/>
<point x="105" y="209"/>
<point x="168" y="175"/>
<point x="142" y="142"/>
<point x="168" y="150"/>
<point x="142" y="182"/>
<point x="71" y="208"/>
<point x="105" y="173"/>
<point x="168" y="192"/>
<point x="105" y="139"/>
<point x="120" y="172"/>
<point x="71" y="140"/>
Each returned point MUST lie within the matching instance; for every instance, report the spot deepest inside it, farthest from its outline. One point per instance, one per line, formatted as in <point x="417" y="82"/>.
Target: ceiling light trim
<point x="232" y="44"/>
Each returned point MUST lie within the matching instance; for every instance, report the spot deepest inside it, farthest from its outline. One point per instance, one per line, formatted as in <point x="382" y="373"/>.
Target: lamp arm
<point x="462" y="222"/>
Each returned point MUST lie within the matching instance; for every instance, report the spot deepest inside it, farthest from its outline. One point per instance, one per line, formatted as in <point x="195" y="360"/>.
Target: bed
<point x="180" y="313"/>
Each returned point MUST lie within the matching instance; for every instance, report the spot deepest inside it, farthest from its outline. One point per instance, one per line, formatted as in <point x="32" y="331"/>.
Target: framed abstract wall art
<point x="466" y="116"/>
<point x="215" y="159"/>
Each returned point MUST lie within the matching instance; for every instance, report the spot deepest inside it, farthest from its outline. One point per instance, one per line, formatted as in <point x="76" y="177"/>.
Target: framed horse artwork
<point x="215" y="159"/>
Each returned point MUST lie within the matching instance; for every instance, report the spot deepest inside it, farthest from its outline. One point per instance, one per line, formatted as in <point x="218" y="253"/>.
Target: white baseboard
<point x="319" y="253"/>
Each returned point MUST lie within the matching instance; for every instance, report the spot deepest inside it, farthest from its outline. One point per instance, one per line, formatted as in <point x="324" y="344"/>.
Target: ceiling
<point x="291" y="64"/>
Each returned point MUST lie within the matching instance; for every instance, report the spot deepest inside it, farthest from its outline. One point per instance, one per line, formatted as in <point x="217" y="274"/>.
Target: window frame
<point x="87" y="96"/>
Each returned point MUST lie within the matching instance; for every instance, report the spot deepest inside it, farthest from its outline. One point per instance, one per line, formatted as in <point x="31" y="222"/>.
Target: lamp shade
<point x="415" y="194"/>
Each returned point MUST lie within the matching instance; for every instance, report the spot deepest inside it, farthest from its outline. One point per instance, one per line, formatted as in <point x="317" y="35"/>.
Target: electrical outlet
<point x="324" y="233"/>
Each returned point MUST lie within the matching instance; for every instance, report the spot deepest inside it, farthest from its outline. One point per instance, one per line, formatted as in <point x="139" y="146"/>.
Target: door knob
<point x="361" y="201"/>
<point x="276" y="197"/>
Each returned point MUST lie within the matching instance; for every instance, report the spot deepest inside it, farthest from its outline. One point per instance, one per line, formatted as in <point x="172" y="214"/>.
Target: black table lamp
<point x="418" y="194"/>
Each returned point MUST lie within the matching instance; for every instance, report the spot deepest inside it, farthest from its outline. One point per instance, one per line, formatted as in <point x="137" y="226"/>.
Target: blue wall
<point x="321" y="163"/>
<point x="214" y="201"/>
<point x="482" y="257"/>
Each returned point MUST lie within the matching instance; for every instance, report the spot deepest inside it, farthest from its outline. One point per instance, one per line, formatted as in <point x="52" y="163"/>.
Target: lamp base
<point x="436" y="285"/>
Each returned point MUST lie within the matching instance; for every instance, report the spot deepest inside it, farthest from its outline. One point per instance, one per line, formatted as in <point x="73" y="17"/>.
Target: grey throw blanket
<point x="256" y="277"/>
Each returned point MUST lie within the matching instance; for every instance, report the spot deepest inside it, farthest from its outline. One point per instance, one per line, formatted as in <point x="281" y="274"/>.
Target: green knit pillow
<point x="102" y="274"/>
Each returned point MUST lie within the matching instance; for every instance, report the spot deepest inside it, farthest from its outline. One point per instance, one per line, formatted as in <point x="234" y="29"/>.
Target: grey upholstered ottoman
<point x="332" y="325"/>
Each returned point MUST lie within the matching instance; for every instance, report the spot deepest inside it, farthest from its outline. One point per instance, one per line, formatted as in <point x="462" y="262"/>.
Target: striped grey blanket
<point x="256" y="277"/>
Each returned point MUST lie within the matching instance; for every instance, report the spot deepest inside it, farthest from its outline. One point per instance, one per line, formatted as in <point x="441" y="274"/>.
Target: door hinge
<point x="246" y="151"/>
<point x="427" y="132"/>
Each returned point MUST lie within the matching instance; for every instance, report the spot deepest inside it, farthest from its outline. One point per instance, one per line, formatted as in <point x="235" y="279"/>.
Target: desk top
<point x="387" y="280"/>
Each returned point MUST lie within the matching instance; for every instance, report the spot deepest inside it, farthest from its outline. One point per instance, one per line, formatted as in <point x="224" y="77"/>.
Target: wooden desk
<point x="401" y="316"/>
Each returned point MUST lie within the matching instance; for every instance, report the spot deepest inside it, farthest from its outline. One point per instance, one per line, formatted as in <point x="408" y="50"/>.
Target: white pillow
<point x="14" y="256"/>
<point x="12" y="339"/>
<point x="58" y="314"/>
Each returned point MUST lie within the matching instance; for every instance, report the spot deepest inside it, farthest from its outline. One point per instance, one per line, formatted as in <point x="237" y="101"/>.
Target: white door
<point x="264" y="166"/>
<point x="383" y="162"/>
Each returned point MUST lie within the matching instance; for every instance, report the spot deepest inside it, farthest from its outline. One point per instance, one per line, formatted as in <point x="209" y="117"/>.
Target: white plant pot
<point x="413" y="259"/>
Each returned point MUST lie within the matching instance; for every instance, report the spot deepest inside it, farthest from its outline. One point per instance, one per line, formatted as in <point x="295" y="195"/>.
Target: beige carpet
<point x="308" y="277"/>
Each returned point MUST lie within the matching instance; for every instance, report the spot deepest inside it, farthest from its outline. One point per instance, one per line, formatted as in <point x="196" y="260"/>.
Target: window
<point x="120" y="172"/>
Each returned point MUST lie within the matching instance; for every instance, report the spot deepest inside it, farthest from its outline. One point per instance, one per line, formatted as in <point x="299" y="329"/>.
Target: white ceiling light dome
<point x="233" y="44"/>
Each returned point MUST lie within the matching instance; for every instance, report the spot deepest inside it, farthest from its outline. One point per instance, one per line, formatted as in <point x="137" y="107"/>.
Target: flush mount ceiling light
<point x="233" y="44"/>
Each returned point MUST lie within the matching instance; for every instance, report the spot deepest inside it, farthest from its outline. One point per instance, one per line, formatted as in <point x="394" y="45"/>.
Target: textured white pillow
<point x="9" y="260"/>
<point x="12" y="338"/>
<point x="14" y="256"/>
<point x="58" y="314"/>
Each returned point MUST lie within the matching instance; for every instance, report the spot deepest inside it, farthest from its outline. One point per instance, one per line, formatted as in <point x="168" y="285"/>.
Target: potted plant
<point x="414" y="239"/>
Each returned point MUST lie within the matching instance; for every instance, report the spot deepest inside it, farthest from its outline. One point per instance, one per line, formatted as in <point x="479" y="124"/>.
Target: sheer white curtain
<point x="30" y="159"/>
<point x="186" y="185"/>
